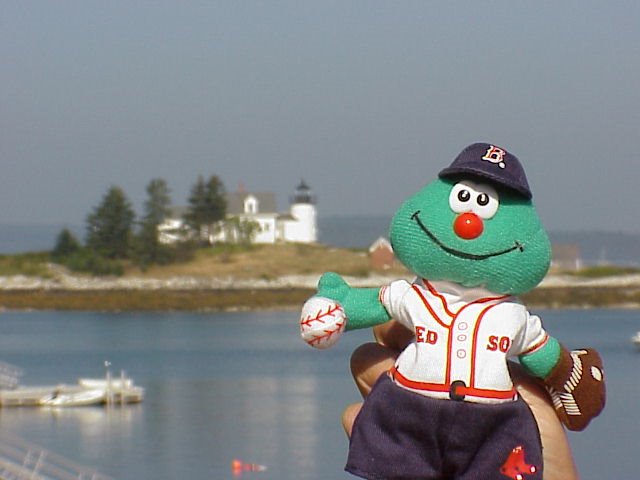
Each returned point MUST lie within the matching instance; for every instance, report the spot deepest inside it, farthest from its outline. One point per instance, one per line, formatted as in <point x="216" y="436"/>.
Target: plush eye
<point x="461" y="197"/>
<point x="486" y="202"/>
<point x="464" y="196"/>
<point x="481" y="199"/>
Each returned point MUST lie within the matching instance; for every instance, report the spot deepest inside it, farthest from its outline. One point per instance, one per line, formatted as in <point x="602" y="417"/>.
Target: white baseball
<point x="322" y="322"/>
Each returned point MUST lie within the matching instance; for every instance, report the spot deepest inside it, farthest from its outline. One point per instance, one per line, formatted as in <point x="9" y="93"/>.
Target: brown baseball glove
<point x="576" y="385"/>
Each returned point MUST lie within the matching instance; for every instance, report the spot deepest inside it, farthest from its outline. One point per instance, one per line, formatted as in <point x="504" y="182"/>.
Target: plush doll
<point x="448" y="408"/>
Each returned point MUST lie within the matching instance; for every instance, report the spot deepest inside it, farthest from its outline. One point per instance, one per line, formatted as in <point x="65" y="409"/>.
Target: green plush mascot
<point x="448" y="409"/>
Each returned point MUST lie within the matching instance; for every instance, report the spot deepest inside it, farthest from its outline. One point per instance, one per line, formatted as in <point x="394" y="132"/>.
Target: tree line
<point x="115" y="235"/>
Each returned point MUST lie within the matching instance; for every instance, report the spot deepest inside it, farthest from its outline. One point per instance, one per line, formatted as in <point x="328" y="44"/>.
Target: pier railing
<point x="9" y="375"/>
<point x="20" y="460"/>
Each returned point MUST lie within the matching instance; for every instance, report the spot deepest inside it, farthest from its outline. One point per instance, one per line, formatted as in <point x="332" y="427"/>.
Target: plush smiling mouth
<point x="469" y="256"/>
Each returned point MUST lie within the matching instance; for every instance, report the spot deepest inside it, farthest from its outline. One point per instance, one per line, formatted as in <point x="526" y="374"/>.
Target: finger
<point x="558" y="459"/>
<point x="393" y="334"/>
<point x="368" y="362"/>
<point x="349" y="416"/>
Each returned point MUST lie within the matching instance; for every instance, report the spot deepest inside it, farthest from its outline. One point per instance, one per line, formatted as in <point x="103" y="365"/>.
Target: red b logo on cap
<point x="495" y="155"/>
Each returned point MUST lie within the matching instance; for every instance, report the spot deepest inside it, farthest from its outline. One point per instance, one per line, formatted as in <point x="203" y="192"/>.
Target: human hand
<point x="577" y="387"/>
<point x="371" y="360"/>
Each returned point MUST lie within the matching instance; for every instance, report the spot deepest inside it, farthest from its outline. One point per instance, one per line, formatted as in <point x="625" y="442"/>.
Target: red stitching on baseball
<point x="327" y="334"/>
<point x="320" y="315"/>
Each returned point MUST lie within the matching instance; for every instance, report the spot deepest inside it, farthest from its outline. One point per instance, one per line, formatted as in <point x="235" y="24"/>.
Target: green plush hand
<point x="361" y="305"/>
<point x="333" y="286"/>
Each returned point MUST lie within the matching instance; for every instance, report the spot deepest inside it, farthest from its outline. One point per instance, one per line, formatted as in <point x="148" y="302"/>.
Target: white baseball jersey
<point x="462" y="339"/>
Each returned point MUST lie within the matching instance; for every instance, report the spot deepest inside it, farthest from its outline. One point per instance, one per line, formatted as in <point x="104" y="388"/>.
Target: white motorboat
<point x="636" y="339"/>
<point x="88" y="391"/>
<point x="72" y="398"/>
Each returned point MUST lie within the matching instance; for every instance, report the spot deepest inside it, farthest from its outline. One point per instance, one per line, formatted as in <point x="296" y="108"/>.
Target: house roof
<point x="235" y="202"/>
<point x="381" y="242"/>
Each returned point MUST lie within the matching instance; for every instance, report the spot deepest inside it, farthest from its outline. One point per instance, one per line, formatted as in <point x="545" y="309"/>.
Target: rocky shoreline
<point x="60" y="279"/>
<point x="63" y="291"/>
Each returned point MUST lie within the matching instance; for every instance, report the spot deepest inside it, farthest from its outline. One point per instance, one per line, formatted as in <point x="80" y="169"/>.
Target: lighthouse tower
<point x="303" y="227"/>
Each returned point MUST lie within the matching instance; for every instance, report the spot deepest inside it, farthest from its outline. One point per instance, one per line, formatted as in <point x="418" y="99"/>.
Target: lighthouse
<point x="302" y="226"/>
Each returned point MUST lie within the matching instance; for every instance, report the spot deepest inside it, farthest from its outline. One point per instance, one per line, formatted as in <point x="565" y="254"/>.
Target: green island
<point x="280" y="276"/>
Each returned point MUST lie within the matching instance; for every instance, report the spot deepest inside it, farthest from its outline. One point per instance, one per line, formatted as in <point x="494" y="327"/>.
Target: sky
<point x="366" y="100"/>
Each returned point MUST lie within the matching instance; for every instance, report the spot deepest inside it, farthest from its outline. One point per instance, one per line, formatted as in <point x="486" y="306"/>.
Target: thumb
<point x="332" y="285"/>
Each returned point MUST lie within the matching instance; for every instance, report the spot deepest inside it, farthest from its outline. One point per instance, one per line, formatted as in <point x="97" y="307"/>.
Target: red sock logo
<point x="515" y="467"/>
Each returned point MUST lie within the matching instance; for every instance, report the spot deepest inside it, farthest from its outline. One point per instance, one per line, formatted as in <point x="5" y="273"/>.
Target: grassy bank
<point x="266" y="299"/>
<point x="583" y="297"/>
<point x="154" y="300"/>
<point x="266" y="262"/>
<point x="258" y="261"/>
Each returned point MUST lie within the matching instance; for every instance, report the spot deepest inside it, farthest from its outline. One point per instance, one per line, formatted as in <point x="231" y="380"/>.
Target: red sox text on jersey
<point x="462" y="339"/>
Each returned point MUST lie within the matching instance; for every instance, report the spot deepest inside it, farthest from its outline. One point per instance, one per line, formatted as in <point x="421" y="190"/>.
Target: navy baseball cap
<point x="493" y="163"/>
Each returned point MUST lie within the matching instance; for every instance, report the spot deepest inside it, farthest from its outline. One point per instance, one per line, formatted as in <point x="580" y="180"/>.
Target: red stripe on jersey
<point x="445" y="305"/>
<point x="435" y="293"/>
<point x="475" y="333"/>
<point x="445" y="388"/>
<point x="474" y="348"/>
<point x="537" y="346"/>
<point x="455" y="316"/>
<point x="439" y="320"/>
<point x="381" y="294"/>
<point x="447" y="371"/>
<point x="428" y="305"/>
<point x="488" y="299"/>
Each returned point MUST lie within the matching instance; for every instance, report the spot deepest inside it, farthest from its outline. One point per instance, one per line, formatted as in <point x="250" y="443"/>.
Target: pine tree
<point x="196" y="215"/>
<point x="66" y="245"/>
<point x="207" y="206"/>
<point x="216" y="200"/>
<point x="109" y="226"/>
<point x="157" y="206"/>
<point x="156" y="209"/>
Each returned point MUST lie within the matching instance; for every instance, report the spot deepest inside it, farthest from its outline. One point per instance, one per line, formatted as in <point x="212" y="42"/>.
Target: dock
<point x="88" y="391"/>
<point x="69" y="395"/>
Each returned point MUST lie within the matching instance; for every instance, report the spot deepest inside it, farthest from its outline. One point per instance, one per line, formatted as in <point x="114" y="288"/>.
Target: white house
<point x="296" y="225"/>
<point x="173" y="229"/>
<point x="259" y="208"/>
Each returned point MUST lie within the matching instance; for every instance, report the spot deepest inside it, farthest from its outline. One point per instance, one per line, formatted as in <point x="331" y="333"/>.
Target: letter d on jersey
<point x="426" y="336"/>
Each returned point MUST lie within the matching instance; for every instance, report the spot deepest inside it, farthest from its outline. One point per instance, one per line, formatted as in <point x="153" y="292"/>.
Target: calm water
<point x="242" y="385"/>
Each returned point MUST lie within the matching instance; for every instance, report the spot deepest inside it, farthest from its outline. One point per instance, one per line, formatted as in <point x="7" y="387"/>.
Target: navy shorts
<point x="400" y="434"/>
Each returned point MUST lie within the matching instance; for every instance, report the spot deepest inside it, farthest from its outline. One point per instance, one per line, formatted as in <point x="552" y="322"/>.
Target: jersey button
<point x="456" y="390"/>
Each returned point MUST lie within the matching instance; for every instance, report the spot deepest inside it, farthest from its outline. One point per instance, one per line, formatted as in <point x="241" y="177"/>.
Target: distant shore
<point x="278" y="276"/>
<point x="75" y="293"/>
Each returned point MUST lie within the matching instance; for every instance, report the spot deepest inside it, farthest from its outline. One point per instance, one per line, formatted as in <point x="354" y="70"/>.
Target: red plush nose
<point x="468" y="226"/>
